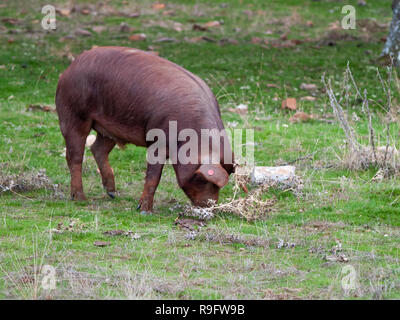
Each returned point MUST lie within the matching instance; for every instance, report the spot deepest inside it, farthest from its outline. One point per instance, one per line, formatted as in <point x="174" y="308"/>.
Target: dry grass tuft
<point x="26" y="181"/>
<point x="230" y="238"/>
<point x="252" y="207"/>
<point x="357" y="155"/>
<point x="365" y="157"/>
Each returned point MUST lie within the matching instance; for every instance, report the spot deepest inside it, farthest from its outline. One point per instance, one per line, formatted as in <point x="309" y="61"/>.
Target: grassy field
<point x="259" y="55"/>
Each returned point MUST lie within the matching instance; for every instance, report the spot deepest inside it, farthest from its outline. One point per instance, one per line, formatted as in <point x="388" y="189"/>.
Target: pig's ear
<point x="214" y="173"/>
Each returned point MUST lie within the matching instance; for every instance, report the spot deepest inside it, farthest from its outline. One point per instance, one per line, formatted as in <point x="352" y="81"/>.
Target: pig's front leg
<point x="153" y="176"/>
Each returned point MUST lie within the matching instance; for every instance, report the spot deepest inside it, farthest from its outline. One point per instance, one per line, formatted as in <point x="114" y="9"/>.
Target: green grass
<point x="338" y="204"/>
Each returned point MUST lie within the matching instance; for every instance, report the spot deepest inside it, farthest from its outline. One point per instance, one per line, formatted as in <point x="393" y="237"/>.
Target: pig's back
<point x="129" y="90"/>
<point x="114" y="78"/>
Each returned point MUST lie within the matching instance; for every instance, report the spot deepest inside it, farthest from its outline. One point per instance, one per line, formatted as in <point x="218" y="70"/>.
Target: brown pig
<point x="122" y="94"/>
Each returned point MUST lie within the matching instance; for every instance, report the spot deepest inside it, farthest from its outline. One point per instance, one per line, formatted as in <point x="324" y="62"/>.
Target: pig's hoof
<point x="78" y="197"/>
<point x="111" y="194"/>
<point x="145" y="213"/>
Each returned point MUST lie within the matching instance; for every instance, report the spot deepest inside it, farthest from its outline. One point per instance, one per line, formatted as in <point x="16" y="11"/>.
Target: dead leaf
<point x="116" y="233"/>
<point x="67" y="37"/>
<point x="101" y="243"/>
<point x="289" y="103"/>
<point x="194" y="39"/>
<point x="27" y="279"/>
<point x="198" y="39"/>
<point x="240" y="109"/>
<point x="177" y="26"/>
<point x="248" y="13"/>
<point x="206" y="26"/>
<point x="40" y="107"/>
<point x="228" y="41"/>
<point x="82" y="32"/>
<point x="99" y="29"/>
<point x="282" y="44"/>
<point x="166" y="39"/>
<point x="334" y="26"/>
<point x="310" y="24"/>
<point x="74" y="226"/>
<point x="11" y="21"/>
<point x="284" y="36"/>
<point x="169" y="13"/>
<point x="337" y="258"/>
<point x="138" y="37"/>
<point x="63" y="12"/>
<point x="198" y="27"/>
<point x="85" y="11"/>
<point x="300" y="116"/>
<point x="256" y="40"/>
<point x="190" y="224"/>
<point x="296" y="41"/>
<point x="272" y="85"/>
<point x="133" y="15"/>
<point x="308" y="98"/>
<point x="158" y="6"/>
<point x="129" y="234"/>
<point x="308" y="86"/>
<point x="212" y="24"/>
<point x="208" y="39"/>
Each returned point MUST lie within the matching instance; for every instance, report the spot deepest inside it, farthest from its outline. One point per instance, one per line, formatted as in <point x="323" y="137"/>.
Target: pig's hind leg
<point x="153" y="176"/>
<point x="75" y="138"/>
<point x="100" y="149"/>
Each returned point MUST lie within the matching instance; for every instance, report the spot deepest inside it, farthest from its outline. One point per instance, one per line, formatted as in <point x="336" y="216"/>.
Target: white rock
<point x="267" y="174"/>
<point x="90" y="140"/>
<point x="242" y="106"/>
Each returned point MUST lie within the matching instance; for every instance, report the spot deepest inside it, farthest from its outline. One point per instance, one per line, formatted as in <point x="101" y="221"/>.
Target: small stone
<point x="289" y="103"/>
<point x="90" y="140"/>
<point x="261" y="175"/>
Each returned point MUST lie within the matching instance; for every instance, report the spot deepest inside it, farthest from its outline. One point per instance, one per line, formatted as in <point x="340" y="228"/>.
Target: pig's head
<point x="205" y="183"/>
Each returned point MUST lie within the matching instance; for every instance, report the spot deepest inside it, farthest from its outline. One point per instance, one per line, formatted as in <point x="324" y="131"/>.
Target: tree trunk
<point x="392" y="45"/>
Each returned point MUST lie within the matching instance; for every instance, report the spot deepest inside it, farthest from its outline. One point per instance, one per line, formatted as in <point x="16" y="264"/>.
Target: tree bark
<point x="392" y="45"/>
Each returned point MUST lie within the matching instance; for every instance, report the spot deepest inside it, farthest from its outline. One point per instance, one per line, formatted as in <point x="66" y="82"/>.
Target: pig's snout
<point x="203" y="188"/>
<point x="205" y="200"/>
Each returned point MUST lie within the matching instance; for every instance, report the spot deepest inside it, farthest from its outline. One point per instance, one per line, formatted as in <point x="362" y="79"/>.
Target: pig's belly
<point x="120" y="133"/>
